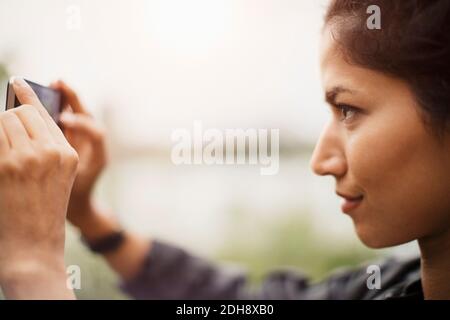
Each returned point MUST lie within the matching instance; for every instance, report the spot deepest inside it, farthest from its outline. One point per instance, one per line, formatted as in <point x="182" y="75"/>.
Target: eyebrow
<point x="330" y="95"/>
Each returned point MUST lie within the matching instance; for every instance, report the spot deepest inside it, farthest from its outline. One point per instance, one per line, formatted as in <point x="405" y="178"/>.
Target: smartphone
<point x="50" y="98"/>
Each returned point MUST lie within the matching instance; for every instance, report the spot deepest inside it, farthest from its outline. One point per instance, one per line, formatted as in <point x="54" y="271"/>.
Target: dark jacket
<point x="172" y="273"/>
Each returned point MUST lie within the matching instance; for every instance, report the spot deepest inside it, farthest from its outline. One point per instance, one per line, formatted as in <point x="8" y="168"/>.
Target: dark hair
<point x="413" y="44"/>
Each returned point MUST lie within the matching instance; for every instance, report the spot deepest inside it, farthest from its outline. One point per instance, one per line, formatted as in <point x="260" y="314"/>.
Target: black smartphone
<point x="50" y="98"/>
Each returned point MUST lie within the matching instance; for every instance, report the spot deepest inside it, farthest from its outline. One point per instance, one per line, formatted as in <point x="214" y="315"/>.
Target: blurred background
<point x="147" y="67"/>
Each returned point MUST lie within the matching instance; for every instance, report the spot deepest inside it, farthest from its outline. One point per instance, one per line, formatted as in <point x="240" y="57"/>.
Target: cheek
<point x="380" y="161"/>
<point x="399" y="169"/>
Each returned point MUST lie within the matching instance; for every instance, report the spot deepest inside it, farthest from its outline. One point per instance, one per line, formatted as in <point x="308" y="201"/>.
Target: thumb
<point x="83" y="124"/>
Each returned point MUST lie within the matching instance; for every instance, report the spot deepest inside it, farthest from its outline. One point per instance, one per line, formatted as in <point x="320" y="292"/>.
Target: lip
<point x="350" y="203"/>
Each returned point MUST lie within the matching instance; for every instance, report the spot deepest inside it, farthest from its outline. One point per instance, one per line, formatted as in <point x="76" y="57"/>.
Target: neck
<point x="435" y="266"/>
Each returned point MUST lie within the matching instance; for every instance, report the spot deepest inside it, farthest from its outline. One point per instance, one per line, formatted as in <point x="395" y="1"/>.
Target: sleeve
<point x="172" y="273"/>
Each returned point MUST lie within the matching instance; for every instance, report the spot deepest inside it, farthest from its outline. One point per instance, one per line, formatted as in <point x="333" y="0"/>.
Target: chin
<point x="375" y="238"/>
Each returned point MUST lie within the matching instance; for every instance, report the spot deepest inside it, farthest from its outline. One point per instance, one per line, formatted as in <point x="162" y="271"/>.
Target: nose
<point x="329" y="155"/>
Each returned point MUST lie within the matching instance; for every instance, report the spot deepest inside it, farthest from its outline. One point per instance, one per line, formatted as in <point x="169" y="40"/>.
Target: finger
<point x="4" y="141"/>
<point x="26" y="95"/>
<point x="64" y="104"/>
<point x="33" y="123"/>
<point x="15" y="131"/>
<point x="82" y="124"/>
<point x="70" y="97"/>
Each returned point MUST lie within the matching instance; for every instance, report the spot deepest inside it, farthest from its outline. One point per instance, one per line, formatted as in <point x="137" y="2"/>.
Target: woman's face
<point x="381" y="154"/>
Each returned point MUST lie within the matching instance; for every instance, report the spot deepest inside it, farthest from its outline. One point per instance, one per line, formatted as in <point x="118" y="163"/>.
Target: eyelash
<point x="343" y="108"/>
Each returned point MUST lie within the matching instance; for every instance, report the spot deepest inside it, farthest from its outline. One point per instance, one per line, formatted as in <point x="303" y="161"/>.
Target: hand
<point x="37" y="170"/>
<point x="88" y="139"/>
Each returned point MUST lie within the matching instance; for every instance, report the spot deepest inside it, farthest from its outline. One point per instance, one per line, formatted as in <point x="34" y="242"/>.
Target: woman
<point x="387" y="145"/>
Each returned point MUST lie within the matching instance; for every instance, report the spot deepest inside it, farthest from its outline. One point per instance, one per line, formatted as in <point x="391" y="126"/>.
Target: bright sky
<point x="161" y="64"/>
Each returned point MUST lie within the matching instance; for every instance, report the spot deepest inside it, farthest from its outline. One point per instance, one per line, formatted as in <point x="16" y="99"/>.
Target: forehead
<point x="337" y="71"/>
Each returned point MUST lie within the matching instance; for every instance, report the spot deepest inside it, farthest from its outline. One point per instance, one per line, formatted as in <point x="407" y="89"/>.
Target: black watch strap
<point x="108" y="243"/>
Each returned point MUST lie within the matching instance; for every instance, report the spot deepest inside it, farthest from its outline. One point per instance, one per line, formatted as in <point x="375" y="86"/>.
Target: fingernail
<point x="17" y="81"/>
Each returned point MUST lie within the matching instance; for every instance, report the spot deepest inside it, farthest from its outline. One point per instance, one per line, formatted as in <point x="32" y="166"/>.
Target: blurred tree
<point x="4" y="74"/>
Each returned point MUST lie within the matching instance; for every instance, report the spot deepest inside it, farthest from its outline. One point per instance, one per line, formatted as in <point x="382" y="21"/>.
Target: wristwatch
<point x="107" y="244"/>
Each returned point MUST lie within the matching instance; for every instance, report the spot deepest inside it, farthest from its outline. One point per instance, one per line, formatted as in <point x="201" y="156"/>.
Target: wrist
<point x="94" y="224"/>
<point x="36" y="280"/>
<point x="30" y="269"/>
<point x="79" y="209"/>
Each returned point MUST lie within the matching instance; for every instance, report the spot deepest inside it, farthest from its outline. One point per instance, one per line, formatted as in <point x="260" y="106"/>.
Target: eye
<point x="347" y="113"/>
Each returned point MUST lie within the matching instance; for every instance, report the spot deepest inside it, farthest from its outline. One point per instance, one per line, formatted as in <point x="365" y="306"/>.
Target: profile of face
<point x="393" y="171"/>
